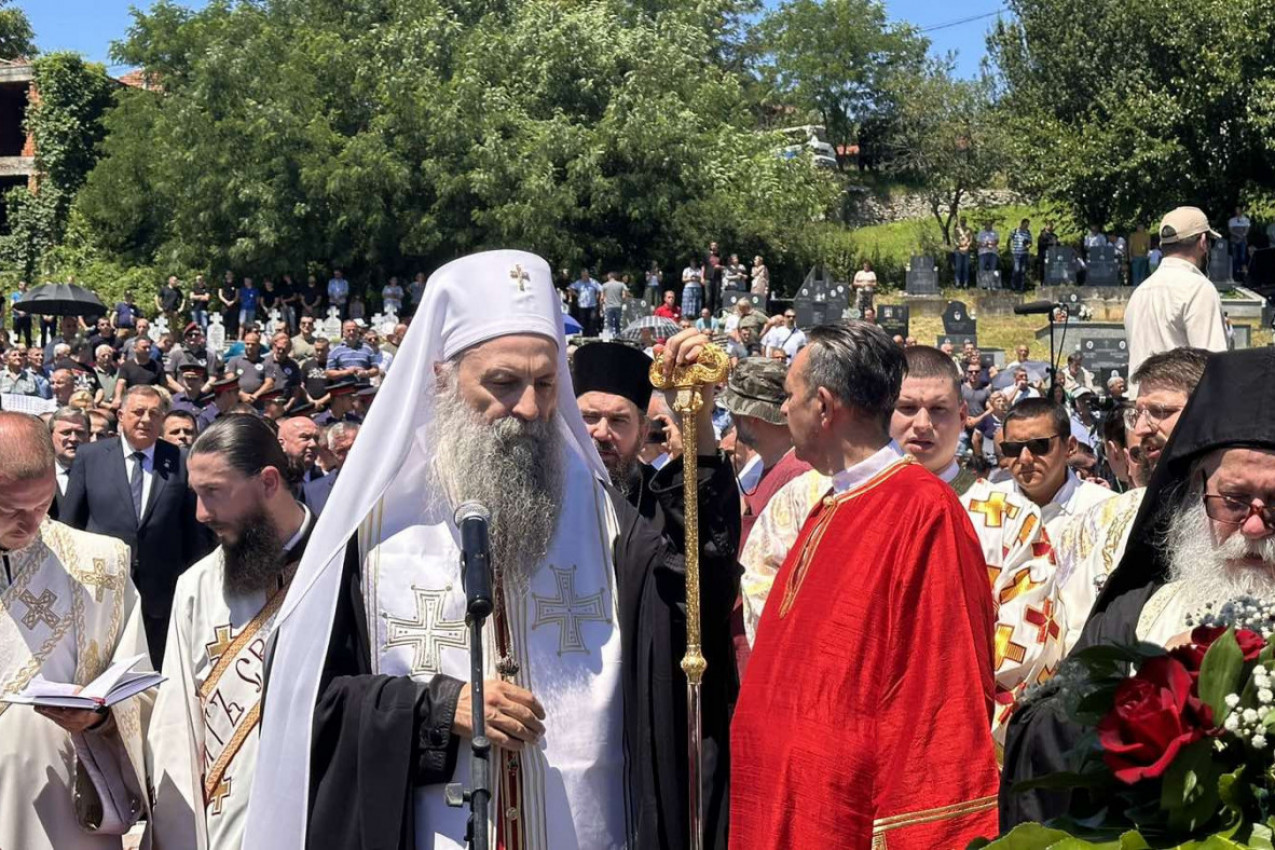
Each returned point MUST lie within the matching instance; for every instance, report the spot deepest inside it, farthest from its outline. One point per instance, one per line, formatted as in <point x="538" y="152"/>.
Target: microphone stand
<point x="476" y="570"/>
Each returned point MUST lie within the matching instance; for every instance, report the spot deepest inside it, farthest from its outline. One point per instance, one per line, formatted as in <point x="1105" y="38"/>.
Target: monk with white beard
<point x="1205" y="534"/>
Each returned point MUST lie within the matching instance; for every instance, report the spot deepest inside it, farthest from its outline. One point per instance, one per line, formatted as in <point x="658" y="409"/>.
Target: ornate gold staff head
<point x="712" y="368"/>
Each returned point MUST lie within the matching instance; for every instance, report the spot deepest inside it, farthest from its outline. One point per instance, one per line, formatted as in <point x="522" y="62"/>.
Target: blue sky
<point x="89" y="26"/>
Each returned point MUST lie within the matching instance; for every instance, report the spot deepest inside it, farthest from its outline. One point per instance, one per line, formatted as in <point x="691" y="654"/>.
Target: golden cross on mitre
<point x="521" y="276"/>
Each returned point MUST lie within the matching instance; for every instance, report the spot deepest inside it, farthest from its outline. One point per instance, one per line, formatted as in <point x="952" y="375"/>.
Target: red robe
<point x="863" y="720"/>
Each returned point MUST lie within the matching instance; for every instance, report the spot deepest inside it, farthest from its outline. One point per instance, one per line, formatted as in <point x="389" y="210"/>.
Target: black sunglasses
<point x="1037" y="446"/>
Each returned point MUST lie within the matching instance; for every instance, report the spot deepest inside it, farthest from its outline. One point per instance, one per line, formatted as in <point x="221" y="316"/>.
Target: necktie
<point x="135" y="483"/>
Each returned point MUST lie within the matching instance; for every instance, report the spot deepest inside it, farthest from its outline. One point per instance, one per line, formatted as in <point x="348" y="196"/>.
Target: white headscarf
<point x="467" y="302"/>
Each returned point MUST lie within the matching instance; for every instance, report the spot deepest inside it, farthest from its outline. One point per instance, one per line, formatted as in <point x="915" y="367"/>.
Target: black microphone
<point x="1033" y="308"/>
<point x="475" y="557"/>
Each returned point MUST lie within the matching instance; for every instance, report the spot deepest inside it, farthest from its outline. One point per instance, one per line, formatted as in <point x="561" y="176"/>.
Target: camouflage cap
<point x="756" y="388"/>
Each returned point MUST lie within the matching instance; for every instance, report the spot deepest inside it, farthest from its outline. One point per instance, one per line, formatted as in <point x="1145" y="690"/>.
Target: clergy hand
<point x="73" y="720"/>
<point x="512" y="714"/>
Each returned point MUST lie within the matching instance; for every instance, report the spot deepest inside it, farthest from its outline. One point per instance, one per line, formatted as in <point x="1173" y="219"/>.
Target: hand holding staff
<point x="687" y="364"/>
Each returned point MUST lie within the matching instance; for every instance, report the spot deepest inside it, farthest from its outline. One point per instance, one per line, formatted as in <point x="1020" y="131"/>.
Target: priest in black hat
<point x="1205" y="534"/>
<point x="613" y="389"/>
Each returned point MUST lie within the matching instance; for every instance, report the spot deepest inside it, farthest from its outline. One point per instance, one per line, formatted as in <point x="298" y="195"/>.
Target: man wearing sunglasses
<point x="1037" y="440"/>
<point x="1178" y="305"/>
<point x="1206" y="535"/>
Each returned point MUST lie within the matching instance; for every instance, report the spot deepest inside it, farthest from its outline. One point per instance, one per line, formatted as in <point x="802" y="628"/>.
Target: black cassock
<point x="376" y="738"/>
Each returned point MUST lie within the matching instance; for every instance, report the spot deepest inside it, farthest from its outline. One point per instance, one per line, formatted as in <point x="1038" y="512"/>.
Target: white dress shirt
<point x="64" y="475"/>
<point x="848" y="479"/>
<point x="148" y="468"/>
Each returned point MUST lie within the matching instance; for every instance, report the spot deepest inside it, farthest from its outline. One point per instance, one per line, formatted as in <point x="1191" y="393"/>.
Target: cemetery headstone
<point x="216" y="334"/>
<point x="158" y="328"/>
<point x="331" y="326"/>
<point x="893" y="319"/>
<point x="274" y="321"/>
<point x="989" y="279"/>
<point x="1105" y="355"/>
<point x="922" y="276"/>
<point x="819" y="287"/>
<point x="1220" y="266"/>
<point x="811" y="313"/>
<point x="1103" y="267"/>
<point x="1060" y="266"/>
<point x="957" y="320"/>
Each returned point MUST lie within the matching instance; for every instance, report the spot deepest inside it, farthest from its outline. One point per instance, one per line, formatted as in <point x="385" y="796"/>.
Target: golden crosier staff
<point x="711" y="367"/>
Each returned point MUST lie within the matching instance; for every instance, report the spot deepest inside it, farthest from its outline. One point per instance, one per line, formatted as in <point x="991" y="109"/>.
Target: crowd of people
<point x="1137" y="254"/>
<point x="255" y="524"/>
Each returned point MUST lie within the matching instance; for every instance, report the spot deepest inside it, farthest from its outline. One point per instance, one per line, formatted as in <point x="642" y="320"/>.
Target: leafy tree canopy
<point x="17" y="39"/>
<point x="388" y="132"/>
<point x="836" y="59"/>
<point x="1120" y="110"/>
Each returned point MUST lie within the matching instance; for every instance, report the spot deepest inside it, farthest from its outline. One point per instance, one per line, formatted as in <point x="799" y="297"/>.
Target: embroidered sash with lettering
<point x="230" y="698"/>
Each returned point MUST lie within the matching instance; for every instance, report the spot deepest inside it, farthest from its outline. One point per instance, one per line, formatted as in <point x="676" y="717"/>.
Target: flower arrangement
<point x="1180" y="754"/>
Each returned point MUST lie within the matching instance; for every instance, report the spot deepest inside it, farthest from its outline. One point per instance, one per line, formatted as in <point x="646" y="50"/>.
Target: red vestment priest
<point x="863" y="720"/>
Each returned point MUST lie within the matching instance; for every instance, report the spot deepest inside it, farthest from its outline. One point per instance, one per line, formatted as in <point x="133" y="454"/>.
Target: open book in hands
<point x="116" y="684"/>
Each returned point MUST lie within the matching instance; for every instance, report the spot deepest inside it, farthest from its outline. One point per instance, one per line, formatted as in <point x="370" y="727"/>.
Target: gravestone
<point x="1060" y="266"/>
<point x="390" y="322"/>
<point x="922" y="276"/>
<point x="331" y="326"/>
<point x="1104" y="355"/>
<point x="1220" y="266"/>
<point x="989" y="279"/>
<point x="634" y="308"/>
<point x="819" y="287"/>
<point x="158" y="328"/>
<point x="216" y="335"/>
<point x="1103" y="268"/>
<point x="274" y="321"/>
<point x="893" y="319"/>
<point x="958" y="325"/>
<point x="811" y="313"/>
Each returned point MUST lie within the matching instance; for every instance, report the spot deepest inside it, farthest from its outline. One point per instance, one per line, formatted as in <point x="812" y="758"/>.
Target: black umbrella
<point x="60" y="299"/>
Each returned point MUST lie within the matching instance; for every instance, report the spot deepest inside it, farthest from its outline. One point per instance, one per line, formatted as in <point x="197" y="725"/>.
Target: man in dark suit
<point x="133" y="487"/>
<point x="340" y="439"/>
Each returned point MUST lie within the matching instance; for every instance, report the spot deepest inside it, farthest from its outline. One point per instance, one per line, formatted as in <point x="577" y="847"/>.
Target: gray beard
<point x="512" y="468"/>
<point x="255" y="559"/>
<point x="1202" y="565"/>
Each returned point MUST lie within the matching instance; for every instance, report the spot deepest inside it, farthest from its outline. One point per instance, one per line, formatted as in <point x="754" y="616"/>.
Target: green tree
<point x="17" y="39"/>
<point x="66" y="125"/>
<point x="944" y="137"/>
<point x="1122" y="109"/>
<point x="836" y="59"/>
<point x="383" y="135"/>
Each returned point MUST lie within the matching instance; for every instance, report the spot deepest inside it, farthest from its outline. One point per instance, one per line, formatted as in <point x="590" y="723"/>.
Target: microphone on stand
<point x="1037" y="308"/>
<point x="471" y="519"/>
<point x="475" y="556"/>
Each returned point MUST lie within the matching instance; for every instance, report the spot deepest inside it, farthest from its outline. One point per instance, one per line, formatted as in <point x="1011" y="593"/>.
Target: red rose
<point x="1251" y="643"/>
<point x="1154" y="717"/>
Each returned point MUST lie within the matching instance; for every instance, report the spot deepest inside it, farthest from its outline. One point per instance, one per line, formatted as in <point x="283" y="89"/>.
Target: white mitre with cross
<point x="564" y="628"/>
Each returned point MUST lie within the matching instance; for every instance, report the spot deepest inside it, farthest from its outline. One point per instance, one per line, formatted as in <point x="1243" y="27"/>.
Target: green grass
<point x="899" y="240"/>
